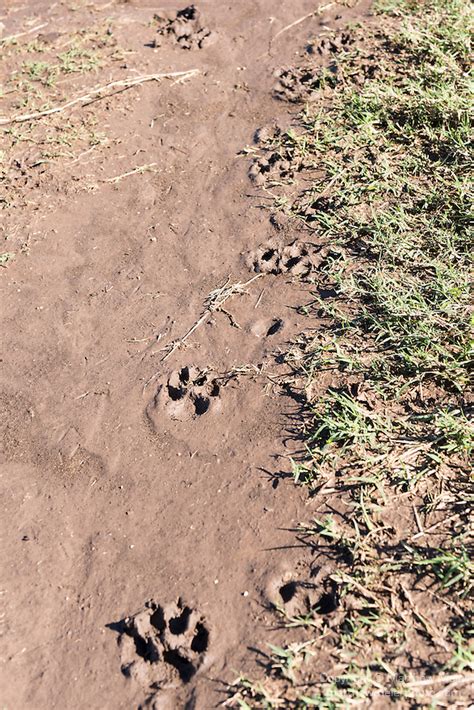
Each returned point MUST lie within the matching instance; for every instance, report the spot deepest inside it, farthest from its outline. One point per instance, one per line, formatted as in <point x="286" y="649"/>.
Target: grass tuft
<point x="379" y="163"/>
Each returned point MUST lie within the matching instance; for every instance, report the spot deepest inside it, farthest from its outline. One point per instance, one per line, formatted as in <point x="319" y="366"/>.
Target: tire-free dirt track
<point x="126" y="478"/>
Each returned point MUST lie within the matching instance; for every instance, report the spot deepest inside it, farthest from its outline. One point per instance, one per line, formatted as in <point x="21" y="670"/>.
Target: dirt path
<point x="110" y="497"/>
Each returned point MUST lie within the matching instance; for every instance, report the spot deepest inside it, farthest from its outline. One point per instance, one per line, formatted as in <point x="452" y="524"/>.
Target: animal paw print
<point x="298" y="84"/>
<point x="277" y="162"/>
<point x="297" y="598"/>
<point x="183" y="27"/>
<point x="189" y="393"/>
<point x="163" y="646"/>
<point x="266" y="328"/>
<point x="302" y="84"/>
<point x="272" y="167"/>
<point x="328" y="46"/>
<point x="270" y="258"/>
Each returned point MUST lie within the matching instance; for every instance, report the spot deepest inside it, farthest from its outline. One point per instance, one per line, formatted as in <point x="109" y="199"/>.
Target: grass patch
<point x="387" y="426"/>
<point x="39" y="75"/>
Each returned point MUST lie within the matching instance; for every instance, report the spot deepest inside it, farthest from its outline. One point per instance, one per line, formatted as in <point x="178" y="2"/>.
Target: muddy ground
<point x="128" y="476"/>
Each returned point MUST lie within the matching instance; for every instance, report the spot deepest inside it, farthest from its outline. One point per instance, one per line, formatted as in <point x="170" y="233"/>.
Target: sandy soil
<point x="127" y="478"/>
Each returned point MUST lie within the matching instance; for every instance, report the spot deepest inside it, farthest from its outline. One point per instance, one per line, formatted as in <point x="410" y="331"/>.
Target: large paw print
<point x="273" y="167"/>
<point x="276" y="162"/>
<point x="184" y="28"/>
<point x="163" y="646"/>
<point x="328" y="46"/>
<point x="188" y="393"/>
<point x="302" y="83"/>
<point x="298" y="84"/>
<point x="271" y="258"/>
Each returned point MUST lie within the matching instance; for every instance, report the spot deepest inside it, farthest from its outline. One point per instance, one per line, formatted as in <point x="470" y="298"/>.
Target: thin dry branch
<point x="213" y="303"/>
<point x="22" y="34"/>
<point x="455" y="678"/>
<point x="302" y="19"/>
<point x="139" y="169"/>
<point x="259" y="298"/>
<point x="94" y="94"/>
<point x="444" y="521"/>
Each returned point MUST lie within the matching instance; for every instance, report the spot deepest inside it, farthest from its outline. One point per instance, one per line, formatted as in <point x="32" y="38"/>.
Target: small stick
<point x="302" y="19"/>
<point x="362" y="589"/>
<point x="213" y="303"/>
<point x="441" y="679"/>
<point x="259" y="298"/>
<point x="417" y="520"/>
<point x="293" y="24"/>
<point x="454" y="684"/>
<point x="180" y="342"/>
<point x="231" y="318"/>
<point x="120" y="85"/>
<point x="86" y="152"/>
<point x="21" y="34"/>
<point x="138" y="169"/>
<point x="434" y="526"/>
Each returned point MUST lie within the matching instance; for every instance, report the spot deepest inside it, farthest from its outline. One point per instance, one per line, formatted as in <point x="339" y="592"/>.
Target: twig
<point x="120" y="85"/>
<point x="231" y="318"/>
<point x="138" y="169"/>
<point x="178" y="343"/>
<point x="363" y="590"/>
<point x="434" y="526"/>
<point x="302" y="19"/>
<point x="214" y="302"/>
<point x="85" y="152"/>
<point x="441" y="679"/>
<point x="21" y="34"/>
<point x="293" y="24"/>
<point x="455" y="683"/>
<point x="426" y="623"/>
<point x="417" y="520"/>
<point x="259" y="298"/>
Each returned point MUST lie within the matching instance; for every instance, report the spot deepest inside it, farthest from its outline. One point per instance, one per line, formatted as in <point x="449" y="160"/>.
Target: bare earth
<point x="126" y="477"/>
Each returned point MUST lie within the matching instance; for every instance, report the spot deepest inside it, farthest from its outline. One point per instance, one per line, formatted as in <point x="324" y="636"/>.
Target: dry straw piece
<point x="213" y="303"/>
<point x="94" y="94"/>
